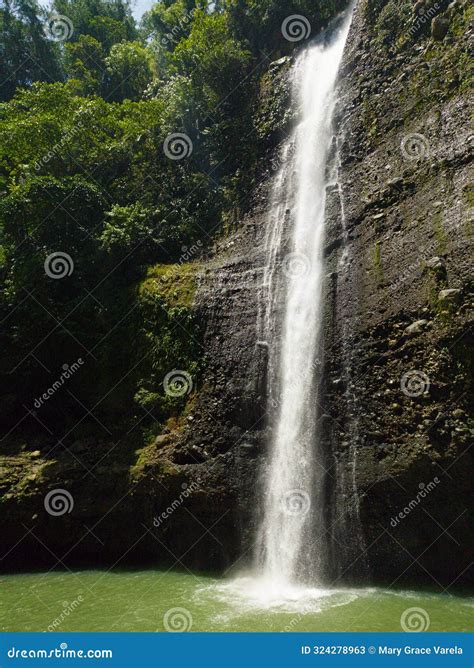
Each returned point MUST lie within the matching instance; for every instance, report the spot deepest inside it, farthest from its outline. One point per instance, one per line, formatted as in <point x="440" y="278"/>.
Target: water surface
<point x="148" y="601"/>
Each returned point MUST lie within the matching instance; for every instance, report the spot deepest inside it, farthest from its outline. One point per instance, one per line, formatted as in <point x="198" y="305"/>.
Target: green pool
<point x="169" y="601"/>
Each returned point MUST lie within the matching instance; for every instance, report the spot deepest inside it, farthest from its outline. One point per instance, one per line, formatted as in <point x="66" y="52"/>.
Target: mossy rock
<point x="148" y="458"/>
<point x="175" y="283"/>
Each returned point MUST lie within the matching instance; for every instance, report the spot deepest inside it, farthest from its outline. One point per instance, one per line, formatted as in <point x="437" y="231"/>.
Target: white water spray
<point x="291" y="542"/>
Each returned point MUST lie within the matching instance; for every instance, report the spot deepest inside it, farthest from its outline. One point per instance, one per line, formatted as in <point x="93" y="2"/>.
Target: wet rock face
<point x="399" y="311"/>
<point x="230" y="412"/>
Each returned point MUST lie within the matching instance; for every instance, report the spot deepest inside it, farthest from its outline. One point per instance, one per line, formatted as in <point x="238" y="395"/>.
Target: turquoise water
<point x="159" y="601"/>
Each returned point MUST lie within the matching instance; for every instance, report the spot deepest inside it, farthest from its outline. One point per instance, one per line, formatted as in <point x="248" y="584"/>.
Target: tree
<point x="84" y="14"/>
<point x="26" y="55"/>
<point x="258" y="23"/>
<point x="85" y="63"/>
<point x="134" y="228"/>
<point x="108" y="31"/>
<point x="219" y="92"/>
<point x="169" y="22"/>
<point x="130" y="70"/>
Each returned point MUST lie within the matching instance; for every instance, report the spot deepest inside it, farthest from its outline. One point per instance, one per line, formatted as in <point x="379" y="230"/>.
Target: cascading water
<point x="291" y="546"/>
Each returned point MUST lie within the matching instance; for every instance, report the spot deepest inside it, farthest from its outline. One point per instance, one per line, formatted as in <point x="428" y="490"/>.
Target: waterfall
<point x="291" y="544"/>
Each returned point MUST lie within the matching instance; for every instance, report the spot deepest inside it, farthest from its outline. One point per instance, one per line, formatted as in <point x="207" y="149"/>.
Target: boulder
<point x="435" y="263"/>
<point x="276" y="64"/>
<point x="439" y="28"/>
<point x="449" y="296"/>
<point x="415" y="328"/>
<point x="161" y="440"/>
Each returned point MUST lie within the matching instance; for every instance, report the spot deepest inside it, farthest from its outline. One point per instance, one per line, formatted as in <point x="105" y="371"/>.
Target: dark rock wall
<point x="399" y="392"/>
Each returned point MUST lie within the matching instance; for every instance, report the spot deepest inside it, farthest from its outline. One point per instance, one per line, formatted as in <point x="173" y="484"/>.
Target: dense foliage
<point x="87" y="168"/>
